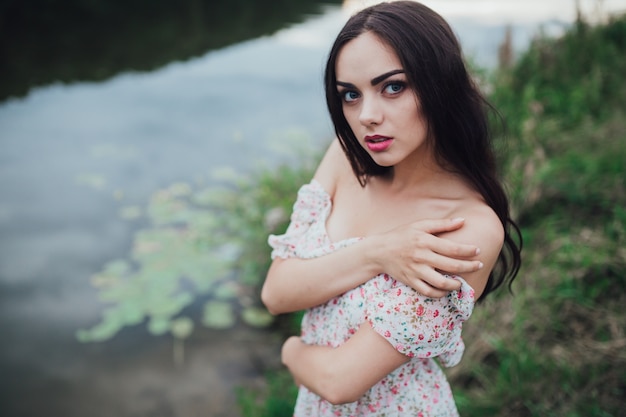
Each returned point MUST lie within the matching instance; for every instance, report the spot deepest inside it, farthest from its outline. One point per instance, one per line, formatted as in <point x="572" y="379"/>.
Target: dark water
<point x="103" y="104"/>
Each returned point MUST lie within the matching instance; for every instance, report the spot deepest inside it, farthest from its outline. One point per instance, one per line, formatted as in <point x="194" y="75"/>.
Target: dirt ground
<point x="135" y="375"/>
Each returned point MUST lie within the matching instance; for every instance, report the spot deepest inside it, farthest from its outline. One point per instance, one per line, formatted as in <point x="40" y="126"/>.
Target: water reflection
<point x="43" y="42"/>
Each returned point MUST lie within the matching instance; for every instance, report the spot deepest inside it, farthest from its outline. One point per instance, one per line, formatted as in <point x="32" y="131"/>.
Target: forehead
<point x="365" y="56"/>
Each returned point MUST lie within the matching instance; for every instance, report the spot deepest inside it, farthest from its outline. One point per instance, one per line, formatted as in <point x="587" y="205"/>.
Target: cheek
<point x="351" y="116"/>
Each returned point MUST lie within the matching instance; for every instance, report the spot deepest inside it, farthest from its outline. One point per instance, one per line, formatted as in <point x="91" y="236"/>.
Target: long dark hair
<point x="456" y="111"/>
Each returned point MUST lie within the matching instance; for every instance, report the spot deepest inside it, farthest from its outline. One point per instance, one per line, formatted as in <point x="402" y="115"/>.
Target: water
<point x="74" y="154"/>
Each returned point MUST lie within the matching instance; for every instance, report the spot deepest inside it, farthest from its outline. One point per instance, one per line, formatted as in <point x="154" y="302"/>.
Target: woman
<point x="379" y="280"/>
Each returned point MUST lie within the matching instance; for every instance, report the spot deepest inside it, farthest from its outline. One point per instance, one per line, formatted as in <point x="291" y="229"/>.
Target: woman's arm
<point x="411" y="252"/>
<point x="295" y="284"/>
<point x="343" y="374"/>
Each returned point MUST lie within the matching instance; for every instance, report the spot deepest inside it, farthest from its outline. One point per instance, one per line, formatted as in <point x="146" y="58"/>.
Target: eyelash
<point x="402" y="84"/>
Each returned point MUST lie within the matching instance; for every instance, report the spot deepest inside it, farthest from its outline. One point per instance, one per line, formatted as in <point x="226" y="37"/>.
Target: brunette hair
<point x="455" y="110"/>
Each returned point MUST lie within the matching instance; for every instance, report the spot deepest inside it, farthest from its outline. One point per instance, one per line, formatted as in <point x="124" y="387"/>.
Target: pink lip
<point x="378" y="143"/>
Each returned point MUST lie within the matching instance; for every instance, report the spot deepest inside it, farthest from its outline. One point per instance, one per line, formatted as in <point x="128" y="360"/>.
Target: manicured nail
<point x="477" y="251"/>
<point x="480" y="265"/>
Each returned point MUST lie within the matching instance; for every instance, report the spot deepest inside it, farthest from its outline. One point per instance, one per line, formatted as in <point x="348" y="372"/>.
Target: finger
<point x="428" y="291"/>
<point x="452" y="265"/>
<point x="449" y="248"/>
<point x="434" y="226"/>
<point x="438" y="281"/>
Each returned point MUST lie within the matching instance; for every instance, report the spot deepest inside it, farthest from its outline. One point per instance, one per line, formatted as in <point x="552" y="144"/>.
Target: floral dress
<point x="422" y="328"/>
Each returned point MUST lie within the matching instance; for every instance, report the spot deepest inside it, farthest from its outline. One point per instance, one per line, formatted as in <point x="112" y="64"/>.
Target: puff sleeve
<point x="416" y="325"/>
<point x="312" y="203"/>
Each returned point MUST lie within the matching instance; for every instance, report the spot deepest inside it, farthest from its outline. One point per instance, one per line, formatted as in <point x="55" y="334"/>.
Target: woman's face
<point x="381" y="108"/>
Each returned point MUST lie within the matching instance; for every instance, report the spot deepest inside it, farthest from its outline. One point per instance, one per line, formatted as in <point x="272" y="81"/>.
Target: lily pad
<point x="218" y="315"/>
<point x="182" y="327"/>
<point x="257" y="317"/>
<point x="226" y="291"/>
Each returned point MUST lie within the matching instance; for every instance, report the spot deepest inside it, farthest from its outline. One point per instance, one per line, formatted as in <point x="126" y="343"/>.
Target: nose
<point x="371" y="112"/>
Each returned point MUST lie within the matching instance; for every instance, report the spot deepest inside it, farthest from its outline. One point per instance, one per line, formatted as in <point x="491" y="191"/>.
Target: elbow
<point x="336" y="390"/>
<point x="339" y="397"/>
<point x="270" y="302"/>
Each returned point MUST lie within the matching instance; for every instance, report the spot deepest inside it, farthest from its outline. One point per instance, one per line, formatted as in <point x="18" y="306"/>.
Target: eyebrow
<point x="375" y="80"/>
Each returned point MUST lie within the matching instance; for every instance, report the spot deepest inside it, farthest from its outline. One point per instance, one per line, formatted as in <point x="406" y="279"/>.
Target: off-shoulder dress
<point x="427" y="330"/>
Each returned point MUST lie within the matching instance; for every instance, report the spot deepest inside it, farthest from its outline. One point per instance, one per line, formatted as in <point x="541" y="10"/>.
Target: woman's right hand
<point x="414" y="255"/>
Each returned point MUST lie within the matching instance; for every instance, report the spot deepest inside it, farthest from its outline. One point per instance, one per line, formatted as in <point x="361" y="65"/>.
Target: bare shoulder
<point x="333" y="168"/>
<point x="484" y="229"/>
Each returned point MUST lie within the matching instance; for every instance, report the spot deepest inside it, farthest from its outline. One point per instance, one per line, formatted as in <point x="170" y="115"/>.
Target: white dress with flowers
<point x="420" y="327"/>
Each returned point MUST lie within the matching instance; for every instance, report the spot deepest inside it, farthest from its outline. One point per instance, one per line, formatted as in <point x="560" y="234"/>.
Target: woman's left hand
<point x="288" y="350"/>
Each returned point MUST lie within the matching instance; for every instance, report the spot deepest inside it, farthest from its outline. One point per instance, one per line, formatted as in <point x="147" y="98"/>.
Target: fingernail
<point x="480" y="265"/>
<point x="477" y="251"/>
<point x="458" y="219"/>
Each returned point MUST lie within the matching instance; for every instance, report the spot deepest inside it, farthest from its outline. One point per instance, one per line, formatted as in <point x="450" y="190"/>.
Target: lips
<point x="378" y="143"/>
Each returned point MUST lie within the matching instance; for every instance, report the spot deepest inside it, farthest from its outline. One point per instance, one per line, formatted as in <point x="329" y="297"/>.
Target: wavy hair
<point x="455" y="110"/>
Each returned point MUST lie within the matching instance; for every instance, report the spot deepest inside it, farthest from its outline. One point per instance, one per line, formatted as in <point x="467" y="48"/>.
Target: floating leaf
<point x="159" y="325"/>
<point x="182" y="327"/>
<point x="257" y="317"/>
<point x="226" y="291"/>
<point x="130" y="212"/>
<point x="218" y="315"/>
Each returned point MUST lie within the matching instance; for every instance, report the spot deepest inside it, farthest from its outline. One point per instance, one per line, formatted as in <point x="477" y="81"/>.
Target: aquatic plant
<point x="205" y="246"/>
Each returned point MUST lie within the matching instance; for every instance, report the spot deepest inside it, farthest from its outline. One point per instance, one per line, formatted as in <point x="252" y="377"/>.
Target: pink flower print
<point x="420" y="310"/>
<point x="420" y="337"/>
<point x="381" y="304"/>
<point x="387" y="333"/>
<point x="435" y="313"/>
<point x="399" y="293"/>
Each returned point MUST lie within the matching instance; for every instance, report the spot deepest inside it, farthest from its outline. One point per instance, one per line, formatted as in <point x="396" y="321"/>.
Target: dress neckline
<point x="327" y="197"/>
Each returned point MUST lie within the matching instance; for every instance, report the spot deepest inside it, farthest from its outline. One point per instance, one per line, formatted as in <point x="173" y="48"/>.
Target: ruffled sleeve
<point x="312" y="204"/>
<point x="418" y="326"/>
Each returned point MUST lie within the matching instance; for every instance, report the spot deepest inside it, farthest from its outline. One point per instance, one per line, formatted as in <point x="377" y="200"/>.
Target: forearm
<point x="345" y="373"/>
<point x="314" y="367"/>
<point x="297" y="284"/>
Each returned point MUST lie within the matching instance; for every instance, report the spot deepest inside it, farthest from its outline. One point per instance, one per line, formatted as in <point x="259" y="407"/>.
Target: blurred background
<point x="118" y="118"/>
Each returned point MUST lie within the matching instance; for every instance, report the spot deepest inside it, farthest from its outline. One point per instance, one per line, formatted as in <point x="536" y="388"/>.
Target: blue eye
<point x="394" y="87"/>
<point x="349" y="96"/>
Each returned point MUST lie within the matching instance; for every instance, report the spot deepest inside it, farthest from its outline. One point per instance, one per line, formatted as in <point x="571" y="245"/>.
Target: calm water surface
<point x="73" y="155"/>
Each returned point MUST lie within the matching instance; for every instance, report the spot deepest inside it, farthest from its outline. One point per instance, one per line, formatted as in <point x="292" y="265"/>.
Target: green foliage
<point x="557" y="348"/>
<point x="572" y="78"/>
<point x="208" y="243"/>
<point x="276" y="399"/>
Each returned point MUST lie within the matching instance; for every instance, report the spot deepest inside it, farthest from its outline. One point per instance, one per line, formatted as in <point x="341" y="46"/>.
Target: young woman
<point x="405" y="201"/>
